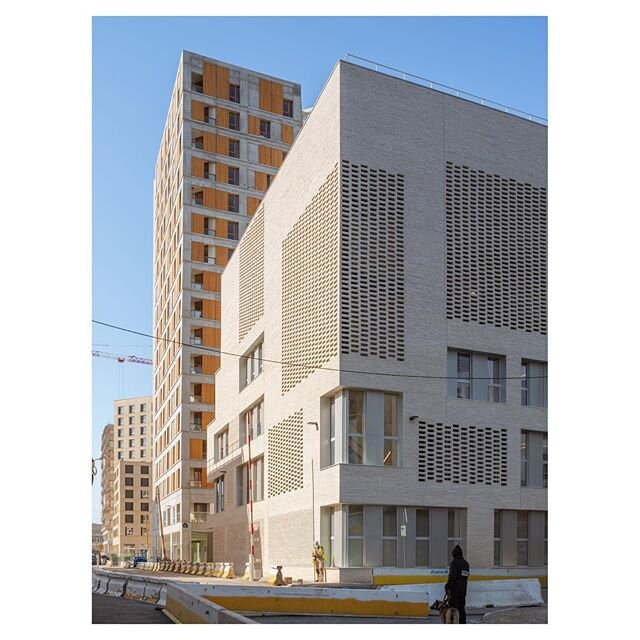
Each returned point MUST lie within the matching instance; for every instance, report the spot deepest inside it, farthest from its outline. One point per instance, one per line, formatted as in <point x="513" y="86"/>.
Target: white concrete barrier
<point x="313" y="600"/>
<point x="104" y="583"/>
<point x="135" y="588"/>
<point x="189" y="608"/>
<point x="95" y="582"/>
<point x="482" y="593"/>
<point x="116" y="586"/>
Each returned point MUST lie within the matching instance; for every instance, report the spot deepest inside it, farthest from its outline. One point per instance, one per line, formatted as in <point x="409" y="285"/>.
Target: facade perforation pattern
<point x="285" y="455"/>
<point x="372" y="262"/>
<point x="496" y="250"/>
<point x="462" y="454"/>
<point x="310" y="287"/>
<point x="251" y="276"/>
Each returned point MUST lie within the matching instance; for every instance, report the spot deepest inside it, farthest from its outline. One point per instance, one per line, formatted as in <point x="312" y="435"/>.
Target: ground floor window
<point x="422" y="537"/>
<point x="355" y="535"/>
<point x="519" y="538"/>
<point x="389" y="536"/>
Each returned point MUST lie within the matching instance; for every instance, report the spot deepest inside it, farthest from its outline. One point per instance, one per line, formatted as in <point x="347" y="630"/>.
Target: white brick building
<point x="388" y="296"/>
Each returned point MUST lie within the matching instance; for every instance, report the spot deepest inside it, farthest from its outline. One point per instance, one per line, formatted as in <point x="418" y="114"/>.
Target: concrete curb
<point x="524" y="615"/>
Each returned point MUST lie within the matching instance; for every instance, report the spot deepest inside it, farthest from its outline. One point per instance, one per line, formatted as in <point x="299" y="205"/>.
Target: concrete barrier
<point x="313" y="600"/>
<point x="116" y="586"/>
<point x="201" y="569"/>
<point x="190" y="608"/>
<point x="418" y="575"/>
<point x="152" y="592"/>
<point x="95" y="581"/>
<point x="103" y="585"/>
<point x="134" y="588"/>
<point x="228" y="570"/>
<point x="194" y="569"/>
<point x="218" y="569"/>
<point x="482" y="593"/>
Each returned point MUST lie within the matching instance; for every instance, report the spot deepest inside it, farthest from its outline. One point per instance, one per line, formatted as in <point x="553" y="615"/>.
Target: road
<point x="112" y="610"/>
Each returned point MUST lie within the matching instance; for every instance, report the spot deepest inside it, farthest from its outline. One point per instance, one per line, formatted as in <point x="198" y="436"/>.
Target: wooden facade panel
<point x="254" y="126"/>
<point x="264" y="155"/>
<point x="276" y="98"/>
<point x="222" y="255"/>
<point x="222" y="82"/>
<point x="261" y="181"/>
<point x="207" y="394"/>
<point x="196" y="447"/>
<point x="222" y="173"/>
<point x="287" y="134"/>
<point x="209" y="142"/>
<point x="197" y="224"/>
<point x="197" y="110"/>
<point x="222" y="227"/>
<point x="209" y="198"/>
<point x="211" y="337"/>
<point x="222" y="117"/>
<point x="197" y="167"/>
<point x="210" y="364"/>
<point x="207" y="418"/>
<point x="252" y="205"/>
<point x="277" y="157"/>
<point x="223" y="146"/>
<point x="209" y="78"/>
<point x="197" y="251"/>
<point x="222" y="199"/>
<point x="211" y="281"/>
<point x="211" y="309"/>
<point x="265" y="95"/>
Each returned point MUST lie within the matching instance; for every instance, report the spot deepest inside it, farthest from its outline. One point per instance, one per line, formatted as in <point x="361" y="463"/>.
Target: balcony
<point x="196" y="285"/>
<point x="195" y="426"/>
<point x="196" y="341"/>
<point x="194" y="398"/>
<point x="196" y="313"/>
<point x="210" y="259"/>
<point x="196" y="369"/>
<point x="197" y="88"/>
<point x="199" y="516"/>
<point x="196" y="484"/>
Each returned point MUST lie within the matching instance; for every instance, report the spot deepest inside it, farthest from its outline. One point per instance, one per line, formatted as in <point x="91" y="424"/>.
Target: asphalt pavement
<point x="112" y="610"/>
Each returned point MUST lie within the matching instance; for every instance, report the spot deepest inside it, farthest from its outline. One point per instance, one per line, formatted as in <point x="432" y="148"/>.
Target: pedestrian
<point x="456" y="587"/>
<point x="318" y="559"/>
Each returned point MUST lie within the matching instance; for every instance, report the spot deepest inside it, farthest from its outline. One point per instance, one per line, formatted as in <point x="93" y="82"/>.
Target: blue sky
<point x="134" y="67"/>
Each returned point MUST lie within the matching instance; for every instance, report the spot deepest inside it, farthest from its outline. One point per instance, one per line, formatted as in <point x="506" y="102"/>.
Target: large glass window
<point x="422" y="537"/>
<point x="356" y="427"/>
<point x="257" y="466"/>
<point x="332" y="431"/>
<point x="522" y="538"/>
<point x="355" y="536"/>
<point x="219" y="494"/>
<point x="463" y="375"/>
<point x="389" y="536"/>
<point x="493" y="381"/>
<point x="545" y="479"/>
<point x="454" y="530"/>
<point x="524" y="383"/>
<point x="524" y="456"/>
<point x="390" y="429"/>
<point x="497" y="536"/>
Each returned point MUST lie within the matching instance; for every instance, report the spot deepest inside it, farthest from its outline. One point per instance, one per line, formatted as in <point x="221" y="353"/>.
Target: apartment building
<point x="227" y="132"/>
<point x="106" y="488"/>
<point x="131" y="477"/>
<point x="389" y="303"/>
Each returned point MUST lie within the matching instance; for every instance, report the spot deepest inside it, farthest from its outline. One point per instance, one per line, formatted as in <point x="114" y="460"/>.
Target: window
<point x="229" y="253"/>
<point x="120" y="455"/>
<point x="221" y="445"/>
<point x="545" y="472"/>
<point x="128" y="518"/>
<point x="522" y="538"/>
<point x="132" y="443"/>
<point x="120" y="444"/>
<point x="128" y="506"/>
<point x="234" y="148"/>
<point x="128" y="531"/>
<point x="120" y="431"/>
<point x="128" y="481"/>
<point x="218" y="488"/>
<point x="143" y="419"/>
<point x="533" y="383"/>
<point x="200" y="512"/>
<point x="119" y="422"/>
<point x="119" y="411"/>
<point x="132" y="455"/>
<point x="265" y="128"/>
<point x="144" y="470"/>
<point x="389" y="536"/>
<point x="269" y="179"/>
<point x="356" y="427"/>
<point x="128" y="493"/>
<point x="497" y="537"/>
<point x="143" y="431"/>
<point x="422" y="537"/>
<point x="287" y="108"/>
<point x="252" y="419"/>
<point x="144" y="506"/>
<point x="128" y="468"/>
<point x="257" y="466"/>
<point x="332" y="431"/>
<point x="242" y="485"/>
<point x="233" y="175"/>
<point x="232" y="231"/>
<point x="144" y="482"/>
<point x="251" y="365"/>
<point x="546" y="525"/>
<point x="524" y="455"/>
<point x="355" y="536"/>
<point x="390" y="456"/>
<point x="493" y="379"/>
<point x="234" y="121"/>
<point x="144" y="493"/>
<point x="132" y="408"/>
<point x="234" y="93"/>
<point x="143" y="442"/>
<point x="143" y="407"/>
<point x="464" y="376"/>
<point x="454" y="529"/>
<point x="132" y="420"/>
<point x="198" y="143"/>
<point x="233" y="202"/>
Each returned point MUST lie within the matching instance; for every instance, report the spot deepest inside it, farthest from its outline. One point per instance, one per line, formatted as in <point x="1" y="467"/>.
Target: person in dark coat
<point x="456" y="586"/>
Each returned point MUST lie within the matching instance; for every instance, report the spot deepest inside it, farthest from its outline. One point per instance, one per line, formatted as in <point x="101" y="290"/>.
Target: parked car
<point x="103" y="559"/>
<point x="94" y="559"/>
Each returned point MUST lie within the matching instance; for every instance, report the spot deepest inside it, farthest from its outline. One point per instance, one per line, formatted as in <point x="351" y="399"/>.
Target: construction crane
<point x="113" y="356"/>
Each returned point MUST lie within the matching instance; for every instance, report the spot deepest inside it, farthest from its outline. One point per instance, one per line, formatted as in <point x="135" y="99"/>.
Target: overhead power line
<point x="309" y="366"/>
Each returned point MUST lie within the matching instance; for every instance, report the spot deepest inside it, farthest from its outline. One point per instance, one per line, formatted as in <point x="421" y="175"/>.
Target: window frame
<point x="462" y="381"/>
